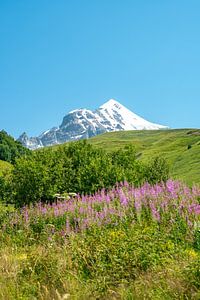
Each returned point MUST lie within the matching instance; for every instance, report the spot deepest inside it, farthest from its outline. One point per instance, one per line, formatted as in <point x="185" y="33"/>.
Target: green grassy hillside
<point x="181" y="147"/>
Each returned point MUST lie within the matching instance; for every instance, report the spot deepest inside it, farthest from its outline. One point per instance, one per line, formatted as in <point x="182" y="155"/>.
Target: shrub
<point x="157" y="170"/>
<point x="79" y="167"/>
<point x="11" y="149"/>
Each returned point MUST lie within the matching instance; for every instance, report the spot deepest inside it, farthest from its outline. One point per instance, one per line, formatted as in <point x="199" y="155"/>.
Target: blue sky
<point x="56" y="56"/>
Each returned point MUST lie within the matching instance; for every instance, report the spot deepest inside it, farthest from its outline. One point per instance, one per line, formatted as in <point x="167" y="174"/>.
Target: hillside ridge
<point x="181" y="148"/>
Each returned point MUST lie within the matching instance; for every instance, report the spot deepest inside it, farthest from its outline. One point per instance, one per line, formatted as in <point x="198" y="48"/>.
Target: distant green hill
<point x="181" y="147"/>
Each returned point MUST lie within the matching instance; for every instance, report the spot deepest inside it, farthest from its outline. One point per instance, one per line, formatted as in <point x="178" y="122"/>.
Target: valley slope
<point x="181" y="148"/>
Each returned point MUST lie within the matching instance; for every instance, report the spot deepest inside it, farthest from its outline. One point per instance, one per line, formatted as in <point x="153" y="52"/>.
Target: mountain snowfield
<point x="83" y="123"/>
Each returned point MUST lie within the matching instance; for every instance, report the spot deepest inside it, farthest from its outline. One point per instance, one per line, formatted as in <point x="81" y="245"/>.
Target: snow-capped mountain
<point x="83" y="123"/>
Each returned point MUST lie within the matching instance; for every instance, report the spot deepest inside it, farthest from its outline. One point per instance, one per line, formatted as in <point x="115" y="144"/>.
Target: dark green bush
<point x="5" y="153"/>
<point x="10" y="149"/>
<point x="157" y="170"/>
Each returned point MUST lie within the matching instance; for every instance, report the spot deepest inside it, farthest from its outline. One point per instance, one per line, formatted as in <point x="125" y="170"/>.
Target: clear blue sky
<point x="56" y="56"/>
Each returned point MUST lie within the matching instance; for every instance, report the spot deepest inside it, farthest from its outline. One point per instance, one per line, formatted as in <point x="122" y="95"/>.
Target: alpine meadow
<point x="101" y="219"/>
<point x="99" y="150"/>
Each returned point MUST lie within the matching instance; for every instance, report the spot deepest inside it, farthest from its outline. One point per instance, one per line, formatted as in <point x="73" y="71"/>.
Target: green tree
<point x="5" y="153"/>
<point x="157" y="170"/>
<point x="11" y="149"/>
<point x="126" y="166"/>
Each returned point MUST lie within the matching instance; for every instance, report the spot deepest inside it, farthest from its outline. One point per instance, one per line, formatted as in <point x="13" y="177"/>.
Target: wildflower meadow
<point x="118" y="243"/>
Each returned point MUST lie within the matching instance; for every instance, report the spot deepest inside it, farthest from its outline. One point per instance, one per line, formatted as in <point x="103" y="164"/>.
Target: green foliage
<point x="47" y="254"/>
<point x="118" y="253"/>
<point x="2" y="187"/>
<point x="197" y="239"/>
<point x="171" y="144"/>
<point x="128" y="260"/>
<point x="5" y="186"/>
<point x="126" y="166"/>
<point x="5" y="153"/>
<point x="157" y="170"/>
<point x="5" y="211"/>
<point x="10" y="149"/>
<point x="192" y="273"/>
<point x="77" y="167"/>
<point x="38" y="177"/>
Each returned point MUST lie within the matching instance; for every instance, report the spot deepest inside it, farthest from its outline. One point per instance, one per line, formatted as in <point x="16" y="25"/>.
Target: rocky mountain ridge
<point x="84" y="123"/>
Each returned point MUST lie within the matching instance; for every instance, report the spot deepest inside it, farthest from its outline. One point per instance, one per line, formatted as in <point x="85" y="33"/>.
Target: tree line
<point x="76" y="167"/>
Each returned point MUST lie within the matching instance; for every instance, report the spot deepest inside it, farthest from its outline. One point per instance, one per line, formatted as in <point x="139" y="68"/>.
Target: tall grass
<point x="123" y="243"/>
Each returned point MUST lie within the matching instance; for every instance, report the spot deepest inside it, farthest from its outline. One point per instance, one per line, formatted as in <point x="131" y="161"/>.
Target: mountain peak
<point x="83" y="123"/>
<point x="111" y="103"/>
<point x="77" y="110"/>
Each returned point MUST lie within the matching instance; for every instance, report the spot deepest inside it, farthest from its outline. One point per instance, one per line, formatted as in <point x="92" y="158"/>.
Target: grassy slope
<point x="172" y="144"/>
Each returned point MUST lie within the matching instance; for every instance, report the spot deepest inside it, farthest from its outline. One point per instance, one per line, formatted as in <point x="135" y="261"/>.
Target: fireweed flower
<point x="171" y="199"/>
